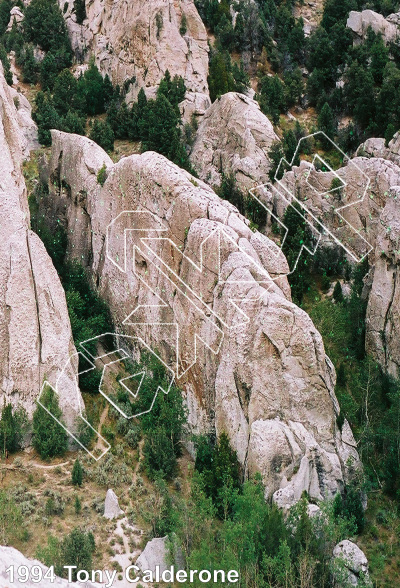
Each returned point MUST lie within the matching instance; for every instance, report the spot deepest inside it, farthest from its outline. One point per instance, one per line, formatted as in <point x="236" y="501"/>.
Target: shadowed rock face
<point x="35" y="332"/>
<point x="234" y="137"/>
<point x="269" y="385"/>
<point x="141" y="40"/>
<point x="377" y="218"/>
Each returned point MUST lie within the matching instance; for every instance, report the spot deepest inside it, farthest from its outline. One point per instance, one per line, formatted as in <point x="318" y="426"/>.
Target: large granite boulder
<point x="259" y="365"/>
<point x="234" y="137"/>
<point x="35" y="329"/>
<point x="156" y="553"/>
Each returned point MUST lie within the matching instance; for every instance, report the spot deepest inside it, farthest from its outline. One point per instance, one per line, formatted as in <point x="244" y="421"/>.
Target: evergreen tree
<point x="103" y="135"/>
<point x="220" y="78"/>
<point x="298" y="235"/>
<point x="91" y="86"/>
<point x="76" y="550"/>
<point x="65" y="93"/>
<point x="159" y="455"/>
<point x="390" y="131"/>
<point x="73" y="123"/>
<point x="327" y="123"/>
<point x="12" y="426"/>
<point x="77" y="473"/>
<point x="46" y="117"/>
<point x="159" y="127"/>
<point x="272" y="97"/>
<point x="48" y="72"/>
<point x="379" y="55"/>
<point x="80" y="10"/>
<point x="5" y="8"/>
<point x="173" y="89"/>
<point x="77" y="505"/>
<point x="6" y="65"/>
<point x="49" y="437"/>
<point x="338" y="293"/>
<point x="44" y="25"/>
<point x="27" y="62"/>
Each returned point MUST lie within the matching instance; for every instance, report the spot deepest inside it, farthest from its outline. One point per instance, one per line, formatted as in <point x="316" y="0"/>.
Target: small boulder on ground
<point x="156" y="554"/>
<point x="354" y="561"/>
<point x="111" y="506"/>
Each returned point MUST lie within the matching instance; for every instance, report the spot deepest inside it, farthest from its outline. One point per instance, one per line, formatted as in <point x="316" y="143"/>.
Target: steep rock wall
<point x="35" y="331"/>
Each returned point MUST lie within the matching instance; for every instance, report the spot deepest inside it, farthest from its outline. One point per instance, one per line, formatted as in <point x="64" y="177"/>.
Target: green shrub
<point x="102" y="134"/>
<point x="102" y="175"/>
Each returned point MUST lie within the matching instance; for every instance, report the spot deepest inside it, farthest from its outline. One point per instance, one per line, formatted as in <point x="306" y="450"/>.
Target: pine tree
<point x="389" y="133"/>
<point x="49" y="437"/>
<point x="44" y="25"/>
<point x="6" y="65"/>
<point x="65" y="93"/>
<point x="76" y="550"/>
<point x="91" y="86"/>
<point x="103" y="135"/>
<point x="28" y="64"/>
<point x="326" y="122"/>
<point x="48" y="71"/>
<point x="80" y="10"/>
<point x="12" y="425"/>
<point x="46" y="117"/>
<point x="338" y="293"/>
<point x="77" y="473"/>
<point x="77" y="505"/>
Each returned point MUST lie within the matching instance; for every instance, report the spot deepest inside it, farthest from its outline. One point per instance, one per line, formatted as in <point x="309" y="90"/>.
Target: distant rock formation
<point x="269" y="385"/>
<point x="136" y="41"/>
<point x="234" y="137"/>
<point x="377" y="216"/>
<point x="359" y="23"/>
<point x="35" y="329"/>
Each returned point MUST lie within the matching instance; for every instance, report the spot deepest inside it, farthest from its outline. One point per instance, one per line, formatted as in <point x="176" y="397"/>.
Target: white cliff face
<point x="141" y="40"/>
<point x="34" y="325"/>
<point x="269" y="385"/>
<point x="234" y="137"/>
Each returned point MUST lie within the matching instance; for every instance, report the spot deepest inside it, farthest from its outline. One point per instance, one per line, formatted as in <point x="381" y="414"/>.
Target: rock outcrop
<point x="10" y="556"/>
<point x="156" y="554"/>
<point x="359" y="23"/>
<point x="375" y="217"/>
<point x="34" y="325"/>
<point x="262" y="374"/>
<point x="354" y="562"/>
<point x="111" y="506"/>
<point x="138" y="41"/>
<point x="234" y="137"/>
